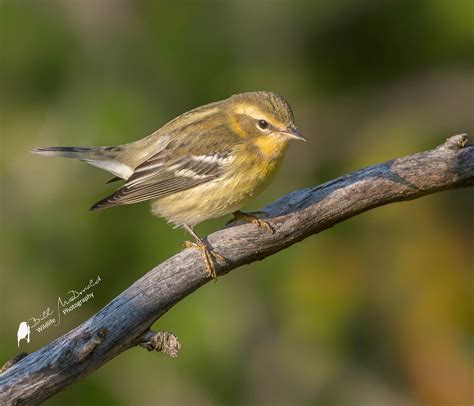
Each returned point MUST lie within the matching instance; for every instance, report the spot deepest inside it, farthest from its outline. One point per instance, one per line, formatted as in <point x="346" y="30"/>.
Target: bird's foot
<point x="251" y="218"/>
<point x="207" y="253"/>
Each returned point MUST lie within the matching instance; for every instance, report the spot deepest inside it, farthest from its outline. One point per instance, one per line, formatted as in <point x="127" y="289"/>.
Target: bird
<point x="205" y="163"/>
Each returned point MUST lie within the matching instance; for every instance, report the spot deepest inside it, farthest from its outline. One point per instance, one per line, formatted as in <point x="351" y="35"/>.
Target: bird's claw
<point x="251" y="218"/>
<point x="207" y="254"/>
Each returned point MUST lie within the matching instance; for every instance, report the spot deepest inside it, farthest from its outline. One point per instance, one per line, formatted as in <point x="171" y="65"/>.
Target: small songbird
<point x="205" y="163"/>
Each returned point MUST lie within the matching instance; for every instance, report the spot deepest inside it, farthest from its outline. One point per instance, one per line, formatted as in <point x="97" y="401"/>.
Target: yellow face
<point x="264" y="118"/>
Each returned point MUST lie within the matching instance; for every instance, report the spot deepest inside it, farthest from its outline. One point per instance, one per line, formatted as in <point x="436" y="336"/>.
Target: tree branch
<point x="126" y="320"/>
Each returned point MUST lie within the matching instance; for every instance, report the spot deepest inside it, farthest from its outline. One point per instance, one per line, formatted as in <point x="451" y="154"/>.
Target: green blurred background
<point x="375" y="311"/>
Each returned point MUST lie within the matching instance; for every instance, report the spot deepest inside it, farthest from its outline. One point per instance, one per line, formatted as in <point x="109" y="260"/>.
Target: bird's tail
<point x="71" y="152"/>
<point x="107" y="158"/>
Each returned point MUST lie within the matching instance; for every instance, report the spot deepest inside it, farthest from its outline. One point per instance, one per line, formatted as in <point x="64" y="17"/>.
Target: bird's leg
<point x="205" y="249"/>
<point x="251" y="218"/>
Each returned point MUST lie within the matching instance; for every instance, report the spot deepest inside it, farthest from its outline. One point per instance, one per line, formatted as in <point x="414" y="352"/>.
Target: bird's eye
<point x="262" y="124"/>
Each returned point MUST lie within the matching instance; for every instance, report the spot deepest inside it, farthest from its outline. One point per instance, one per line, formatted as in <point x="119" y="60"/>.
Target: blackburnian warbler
<point x="204" y="164"/>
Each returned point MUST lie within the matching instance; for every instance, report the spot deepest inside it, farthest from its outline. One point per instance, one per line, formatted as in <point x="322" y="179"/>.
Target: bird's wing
<point x="171" y="170"/>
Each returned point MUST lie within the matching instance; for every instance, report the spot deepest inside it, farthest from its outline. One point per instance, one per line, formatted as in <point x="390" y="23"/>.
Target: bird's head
<point x="264" y="117"/>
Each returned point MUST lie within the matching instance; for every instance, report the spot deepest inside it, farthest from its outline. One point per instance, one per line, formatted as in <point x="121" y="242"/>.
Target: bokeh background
<point x="375" y="311"/>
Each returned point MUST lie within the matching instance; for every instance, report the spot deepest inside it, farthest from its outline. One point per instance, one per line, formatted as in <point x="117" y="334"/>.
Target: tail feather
<point x="105" y="203"/>
<point x="106" y="158"/>
<point x="114" y="179"/>
<point x="65" y="152"/>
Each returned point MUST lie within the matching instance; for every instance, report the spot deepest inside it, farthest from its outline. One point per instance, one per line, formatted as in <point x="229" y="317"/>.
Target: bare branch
<point x="12" y="361"/>
<point x="126" y="320"/>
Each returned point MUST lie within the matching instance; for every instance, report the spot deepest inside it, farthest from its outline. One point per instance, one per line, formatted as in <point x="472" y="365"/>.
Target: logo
<point x="23" y="332"/>
<point x="65" y="305"/>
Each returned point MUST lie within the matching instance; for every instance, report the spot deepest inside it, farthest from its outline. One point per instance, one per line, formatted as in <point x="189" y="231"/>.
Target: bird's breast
<point x="246" y="177"/>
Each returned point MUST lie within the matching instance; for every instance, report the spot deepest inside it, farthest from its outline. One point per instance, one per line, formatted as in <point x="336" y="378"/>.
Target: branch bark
<point x="125" y="321"/>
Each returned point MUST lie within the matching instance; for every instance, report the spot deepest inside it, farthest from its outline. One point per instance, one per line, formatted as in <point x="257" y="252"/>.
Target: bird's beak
<point x="295" y="133"/>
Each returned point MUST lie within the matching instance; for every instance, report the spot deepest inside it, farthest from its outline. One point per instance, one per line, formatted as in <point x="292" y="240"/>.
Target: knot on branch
<point x="91" y="342"/>
<point x="161" y="341"/>
<point x="455" y="142"/>
<point x="12" y="361"/>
